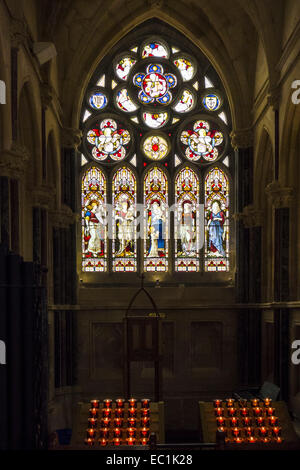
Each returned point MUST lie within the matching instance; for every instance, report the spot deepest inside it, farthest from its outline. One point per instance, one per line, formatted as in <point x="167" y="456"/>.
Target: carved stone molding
<point x="43" y="196"/>
<point x="273" y="97"/>
<point x="64" y="217"/>
<point x="47" y="95"/>
<point x="279" y="196"/>
<point x="13" y="162"/>
<point x="155" y="3"/>
<point x="242" y="138"/>
<point x="19" y="33"/>
<point x="71" y="137"/>
<point x="251" y="216"/>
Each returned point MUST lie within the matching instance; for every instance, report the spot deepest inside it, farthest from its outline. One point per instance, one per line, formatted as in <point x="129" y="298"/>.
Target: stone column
<point x="282" y="199"/>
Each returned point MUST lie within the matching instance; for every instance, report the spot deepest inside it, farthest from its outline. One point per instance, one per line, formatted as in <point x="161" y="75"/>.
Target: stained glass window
<point x="94" y="227"/>
<point x="156" y="236"/>
<point x="155" y="147"/>
<point x="186" y="225"/>
<point x="124" y="221"/>
<point x="155" y="107"/>
<point x="216" y="221"/>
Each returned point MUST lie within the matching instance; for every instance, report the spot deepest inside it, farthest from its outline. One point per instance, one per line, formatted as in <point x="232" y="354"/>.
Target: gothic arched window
<point x="155" y="122"/>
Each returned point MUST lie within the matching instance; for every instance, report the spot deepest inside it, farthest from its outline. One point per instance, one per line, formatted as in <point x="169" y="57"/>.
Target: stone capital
<point x="279" y="196"/>
<point x="71" y="137"/>
<point x="242" y="138"/>
<point x="43" y="196"/>
<point x="13" y="162"/>
<point x="251" y="216"/>
<point x="63" y="218"/>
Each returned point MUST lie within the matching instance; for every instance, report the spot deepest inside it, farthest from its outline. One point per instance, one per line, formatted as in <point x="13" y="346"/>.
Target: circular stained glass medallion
<point x="155" y="147"/>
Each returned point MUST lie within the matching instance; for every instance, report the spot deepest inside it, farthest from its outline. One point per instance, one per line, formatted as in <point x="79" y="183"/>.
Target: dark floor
<point x="182" y="436"/>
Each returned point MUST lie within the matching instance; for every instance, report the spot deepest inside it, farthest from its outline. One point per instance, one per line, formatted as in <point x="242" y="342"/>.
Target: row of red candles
<point x="119" y="412"/>
<point x="243" y="403"/>
<point x="257" y="411"/>
<point x="253" y="440"/>
<point x="117" y="441"/>
<point x="246" y="421"/>
<point x="119" y="422"/>
<point x="120" y="403"/>
<point x="251" y="432"/>
<point x="118" y="432"/>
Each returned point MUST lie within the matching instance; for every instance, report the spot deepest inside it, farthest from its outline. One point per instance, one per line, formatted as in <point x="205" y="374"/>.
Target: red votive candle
<point x="120" y="402"/>
<point x="132" y="412"/>
<point x="93" y="413"/>
<point x="94" y="403"/>
<point x="145" y="412"/>
<point x="145" y="422"/>
<point x="260" y="421"/>
<point x="91" y="432"/>
<point x="270" y="411"/>
<point x="231" y="411"/>
<point x="105" y="422"/>
<point x="238" y="440"/>
<point x="89" y="441"/>
<point x="220" y="421"/>
<point x="244" y="412"/>
<point x="276" y="431"/>
<point x="144" y="441"/>
<point x="131" y="432"/>
<point x="219" y="411"/>
<point x="117" y="432"/>
<point x="254" y="402"/>
<point x="247" y="421"/>
<point x="118" y="422"/>
<point x="131" y="422"/>
<point x="236" y="432"/>
<point x="144" y="432"/>
<point x="119" y="412"/>
<point x="265" y="440"/>
<point x="107" y="403"/>
<point x="117" y="441"/>
<point x="222" y="429"/>
<point x="273" y="420"/>
<point x="267" y="401"/>
<point x="132" y="403"/>
<point x="106" y="412"/>
<point x="230" y="402"/>
<point x="130" y="441"/>
<point x="217" y="403"/>
<point x="103" y="442"/>
<point x="263" y="432"/>
<point x="92" y="422"/>
<point x="234" y="422"/>
<point x="145" y="402"/>
<point x="252" y="439"/>
<point x="249" y="431"/>
<point x="257" y="411"/>
<point x="278" y="439"/>
<point x="104" y="432"/>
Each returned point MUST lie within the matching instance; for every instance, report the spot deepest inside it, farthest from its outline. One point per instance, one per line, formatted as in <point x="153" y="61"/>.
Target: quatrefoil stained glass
<point x="201" y="141"/>
<point x="155" y="85"/>
<point x="108" y="140"/>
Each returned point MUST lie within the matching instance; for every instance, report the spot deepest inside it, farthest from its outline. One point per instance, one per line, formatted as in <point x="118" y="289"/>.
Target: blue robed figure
<point x="216" y="229"/>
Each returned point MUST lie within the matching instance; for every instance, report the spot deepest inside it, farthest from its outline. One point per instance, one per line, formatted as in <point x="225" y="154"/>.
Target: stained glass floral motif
<point x="186" y="226"/>
<point x="98" y="100"/>
<point x="154" y="49"/>
<point x="124" y="221"/>
<point x="216" y="221"/>
<point x="186" y="68"/>
<point x="186" y="102"/>
<point x="155" y="120"/>
<point x="155" y="147"/>
<point x="155" y="85"/>
<point x="156" y="221"/>
<point x="211" y="102"/>
<point x="124" y="102"/>
<point x="201" y="142"/>
<point x="124" y="66"/>
<point x="94" y="237"/>
<point x="108" y="140"/>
